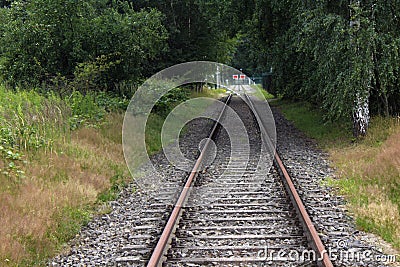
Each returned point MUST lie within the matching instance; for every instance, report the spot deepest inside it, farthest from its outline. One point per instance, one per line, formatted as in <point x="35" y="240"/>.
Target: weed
<point x="69" y="221"/>
<point x="54" y="175"/>
<point x="118" y="182"/>
<point x="153" y="133"/>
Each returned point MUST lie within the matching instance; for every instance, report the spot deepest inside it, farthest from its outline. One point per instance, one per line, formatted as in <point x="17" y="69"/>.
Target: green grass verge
<point x="368" y="174"/>
<point x="310" y="121"/>
<point x="261" y="93"/>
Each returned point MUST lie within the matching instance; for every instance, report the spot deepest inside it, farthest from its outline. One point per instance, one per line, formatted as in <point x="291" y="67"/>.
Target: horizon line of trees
<point x="342" y="56"/>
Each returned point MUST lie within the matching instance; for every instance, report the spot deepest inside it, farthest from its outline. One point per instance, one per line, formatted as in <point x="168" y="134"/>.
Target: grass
<point x="209" y="92"/>
<point x="155" y="122"/>
<point x="59" y="193"/>
<point x="373" y="166"/>
<point x="310" y="121"/>
<point x="262" y="93"/>
<point x="153" y="133"/>
<point x="61" y="160"/>
<point x="368" y="169"/>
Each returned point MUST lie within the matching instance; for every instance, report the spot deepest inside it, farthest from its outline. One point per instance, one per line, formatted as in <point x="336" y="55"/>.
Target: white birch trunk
<point x="361" y="115"/>
<point x="361" y="102"/>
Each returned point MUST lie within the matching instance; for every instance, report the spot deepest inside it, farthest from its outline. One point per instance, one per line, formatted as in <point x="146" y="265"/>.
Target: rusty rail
<point x="308" y="227"/>
<point x="161" y="246"/>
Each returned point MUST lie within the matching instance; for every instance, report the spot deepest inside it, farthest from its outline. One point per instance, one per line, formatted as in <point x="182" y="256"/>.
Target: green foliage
<point x="199" y="30"/>
<point x="89" y="76"/>
<point x="317" y="56"/>
<point x="168" y="101"/>
<point x="90" y="109"/>
<point x="98" y="42"/>
<point x="111" y="102"/>
<point x="28" y="121"/>
<point x="11" y="159"/>
<point x="84" y="109"/>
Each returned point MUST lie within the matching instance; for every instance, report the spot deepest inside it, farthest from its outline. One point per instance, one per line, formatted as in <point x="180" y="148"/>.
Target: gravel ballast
<point x="137" y="216"/>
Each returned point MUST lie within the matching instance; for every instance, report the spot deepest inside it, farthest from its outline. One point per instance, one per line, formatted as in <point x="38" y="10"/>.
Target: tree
<point x="361" y="95"/>
<point x="348" y="71"/>
<point x="200" y="30"/>
<point x="45" y="39"/>
<point x="5" y="3"/>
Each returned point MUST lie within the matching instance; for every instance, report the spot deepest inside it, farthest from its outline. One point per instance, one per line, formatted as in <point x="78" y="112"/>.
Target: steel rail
<point x="158" y="252"/>
<point x="308" y="226"/>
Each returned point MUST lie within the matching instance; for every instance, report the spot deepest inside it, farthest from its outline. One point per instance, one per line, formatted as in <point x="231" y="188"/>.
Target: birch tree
<point x="360" y="114"/>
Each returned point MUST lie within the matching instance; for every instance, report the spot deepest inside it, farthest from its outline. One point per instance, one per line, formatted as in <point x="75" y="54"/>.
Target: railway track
<point x="239" y="211"/>
<point x="253" y="215"/>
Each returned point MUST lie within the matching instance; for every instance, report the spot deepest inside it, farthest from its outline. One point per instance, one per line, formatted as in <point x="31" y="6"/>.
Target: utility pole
<point x="218" y="77"/>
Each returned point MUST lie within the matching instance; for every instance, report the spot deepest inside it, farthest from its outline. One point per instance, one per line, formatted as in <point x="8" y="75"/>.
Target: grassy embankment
<point x="261" y="93"/>
<point x="59" y="157"/>
<point x="60" y="161"/>
<point x="368" y="170"/>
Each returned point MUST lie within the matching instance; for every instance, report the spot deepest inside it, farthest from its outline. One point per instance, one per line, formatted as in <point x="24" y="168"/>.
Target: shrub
<point x="168" y="101"/>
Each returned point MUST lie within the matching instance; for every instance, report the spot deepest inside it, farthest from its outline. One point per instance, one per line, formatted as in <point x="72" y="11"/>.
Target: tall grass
<point x="61" y="158"/>
<point x="370" y="178"/>
<point x="28" y="121"/>
<point x="58" y="156"/>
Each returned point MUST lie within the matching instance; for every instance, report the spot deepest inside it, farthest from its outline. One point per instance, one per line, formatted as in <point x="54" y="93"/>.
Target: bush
<point x="89" y="109"/>
<point x="170" y="100"/>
